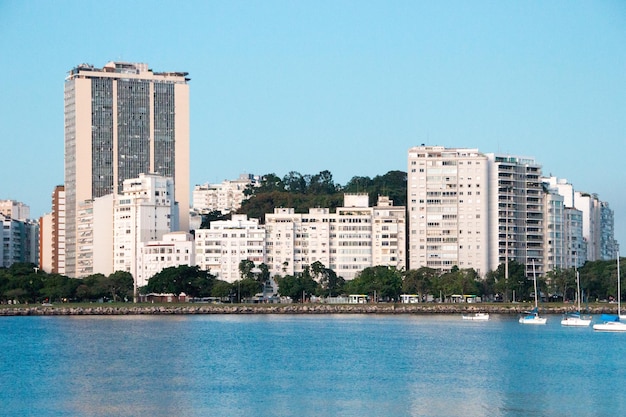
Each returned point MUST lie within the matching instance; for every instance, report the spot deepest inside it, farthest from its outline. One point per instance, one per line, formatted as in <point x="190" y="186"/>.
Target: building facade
<point x="144" y="212"/>
<point x="226" y="243"/>
<point x="120" y="121"/>
<point x="516" y="209"/>
<point x="14" y="209"/>
<point x="448" y="208"/>
<point x="175" y="249"/>
<point x="353" y="238"/>
<point x="20" y="241"/>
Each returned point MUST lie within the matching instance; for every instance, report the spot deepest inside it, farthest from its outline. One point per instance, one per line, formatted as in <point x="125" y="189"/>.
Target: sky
<point x="344" y="86"/>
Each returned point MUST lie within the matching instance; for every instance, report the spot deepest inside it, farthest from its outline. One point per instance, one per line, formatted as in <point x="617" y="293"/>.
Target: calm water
<point x="307" y="366"/>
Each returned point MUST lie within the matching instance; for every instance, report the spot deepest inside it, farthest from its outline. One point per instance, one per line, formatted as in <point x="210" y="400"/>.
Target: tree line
<point x="24" y="282"/>
<point x="301" y="192"/>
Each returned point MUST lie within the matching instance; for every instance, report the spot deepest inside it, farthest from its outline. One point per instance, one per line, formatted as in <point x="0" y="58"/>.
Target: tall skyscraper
<point x="123" y="120"/>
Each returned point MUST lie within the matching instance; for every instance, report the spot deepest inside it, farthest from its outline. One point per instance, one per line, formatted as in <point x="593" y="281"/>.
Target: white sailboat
<point x="576" y="319"/>
<point x="612" y="322"/>
<point x="533" y="317"/>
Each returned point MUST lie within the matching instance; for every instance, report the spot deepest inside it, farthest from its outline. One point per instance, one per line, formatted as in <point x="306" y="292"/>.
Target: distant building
<point x="20" y="241"/>
<point x="225" y="197"/>
<point x="14" y="210"/>
<point x="174" y="249"/>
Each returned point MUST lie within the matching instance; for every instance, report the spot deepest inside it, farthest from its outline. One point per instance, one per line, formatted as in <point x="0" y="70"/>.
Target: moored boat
<point x="533" y="317"/>
<point x="611" y="322"/>
<point x="476" y="316"/>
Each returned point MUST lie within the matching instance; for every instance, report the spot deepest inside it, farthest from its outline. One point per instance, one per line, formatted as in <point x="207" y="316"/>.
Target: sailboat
<point x="575" y="318"/>
<point x="612" y="322"/>
<point x="532" y="317"/>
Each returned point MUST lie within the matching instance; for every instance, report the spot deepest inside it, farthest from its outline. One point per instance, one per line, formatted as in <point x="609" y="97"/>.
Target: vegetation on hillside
<point x="302" y="192"/>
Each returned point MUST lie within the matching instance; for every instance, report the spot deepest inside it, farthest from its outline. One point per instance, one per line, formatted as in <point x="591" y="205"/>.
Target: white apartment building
<point x="590" y="206"/>
<point x="353" y="238"/>
<point x="225" y="197"/>
<point x="555" y="249"/>
<point x="52" y="235"/>
<point x="516" y="211"/>
<point x="14" y="210"/>
<point x="94" y="232"/>
<point x="144" y="212"/>
<point x="221" y="248"/>
<point x="448" y="190"/>
<point x="573" y="244"/>
<point x="175" y="249"/>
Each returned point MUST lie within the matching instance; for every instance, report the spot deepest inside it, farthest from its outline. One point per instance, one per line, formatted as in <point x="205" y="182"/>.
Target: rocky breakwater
<point x="383" y="308"/>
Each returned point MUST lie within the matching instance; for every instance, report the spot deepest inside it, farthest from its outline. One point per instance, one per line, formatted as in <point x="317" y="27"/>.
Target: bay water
<point x="307" y="365"/>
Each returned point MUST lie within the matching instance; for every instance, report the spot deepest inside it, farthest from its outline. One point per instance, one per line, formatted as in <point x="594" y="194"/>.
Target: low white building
<point x="221" y="248"/>
<point x="353" y="238"/>
<point x="226" y="197"/>
<point x="175" y="249"/>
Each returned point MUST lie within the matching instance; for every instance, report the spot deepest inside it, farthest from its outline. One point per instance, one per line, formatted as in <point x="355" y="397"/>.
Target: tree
<point x="327" y="278"/>
<point x="297" y="286"/>
<point x="419" y="281"/>
<point x="222" y="289"/>
<point x="190" y="280"/>
<point x="120" y="285"/>
<point x="245" y="269"/>
<point x="385" y="281"/>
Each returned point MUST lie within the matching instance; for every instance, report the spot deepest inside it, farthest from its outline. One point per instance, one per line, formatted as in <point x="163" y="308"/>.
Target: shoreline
<point x="191" y="309"/>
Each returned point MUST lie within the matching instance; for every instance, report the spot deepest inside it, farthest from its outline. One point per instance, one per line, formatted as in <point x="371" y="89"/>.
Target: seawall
<point x="173" y="309"/>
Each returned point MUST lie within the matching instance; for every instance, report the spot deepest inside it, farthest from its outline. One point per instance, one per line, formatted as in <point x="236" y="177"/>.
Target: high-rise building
<point x="448" y="199"/>
<point x="516" y="210"/>
<point x="123" y="120"/>
<point x="52" y="235"/>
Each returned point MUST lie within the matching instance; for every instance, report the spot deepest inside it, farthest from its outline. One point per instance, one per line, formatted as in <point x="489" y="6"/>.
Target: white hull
<point x="610" y="326"/>
<point x="575" y="322"/>
<point x="533" y="320"/>
<point x="476" y="317"/>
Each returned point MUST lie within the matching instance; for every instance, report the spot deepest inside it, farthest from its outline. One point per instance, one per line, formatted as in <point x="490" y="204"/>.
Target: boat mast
<point x="535" y="283"/>
<point x="619" y="291"/>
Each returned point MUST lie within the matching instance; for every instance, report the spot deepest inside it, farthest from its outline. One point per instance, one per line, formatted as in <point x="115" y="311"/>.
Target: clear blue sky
<point x="346" y="86"/>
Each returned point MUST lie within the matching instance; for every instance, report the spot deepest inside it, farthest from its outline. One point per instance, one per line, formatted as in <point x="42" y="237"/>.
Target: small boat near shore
<point x="576" y="319"/>
<point x="611" y="322"/>
<point x="476" y="316"/>
<point x="533" y="317"/>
